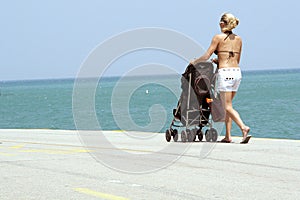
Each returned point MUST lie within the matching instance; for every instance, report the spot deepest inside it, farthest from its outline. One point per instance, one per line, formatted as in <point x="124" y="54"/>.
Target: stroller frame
<point x="194" y="119"/>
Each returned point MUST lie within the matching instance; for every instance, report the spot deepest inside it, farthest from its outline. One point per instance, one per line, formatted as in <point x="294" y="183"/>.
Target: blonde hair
<point x="230" y="21"/>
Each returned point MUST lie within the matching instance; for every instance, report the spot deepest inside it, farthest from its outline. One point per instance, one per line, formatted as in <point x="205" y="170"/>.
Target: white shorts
<point x="229" y="79"/>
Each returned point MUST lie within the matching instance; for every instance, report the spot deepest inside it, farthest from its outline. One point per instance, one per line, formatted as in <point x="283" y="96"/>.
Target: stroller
<point x="194" y="107"/>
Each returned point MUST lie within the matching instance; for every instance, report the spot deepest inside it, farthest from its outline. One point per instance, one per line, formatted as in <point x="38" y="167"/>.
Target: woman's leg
<point x="232" y="114"/>
<point x="228" y="123"/>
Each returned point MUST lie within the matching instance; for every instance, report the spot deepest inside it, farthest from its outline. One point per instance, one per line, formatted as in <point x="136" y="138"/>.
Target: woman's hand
<point x="194" y="61"/>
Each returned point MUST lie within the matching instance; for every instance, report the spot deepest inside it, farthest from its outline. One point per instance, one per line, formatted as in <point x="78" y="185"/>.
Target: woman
<point x="228" y="47"/>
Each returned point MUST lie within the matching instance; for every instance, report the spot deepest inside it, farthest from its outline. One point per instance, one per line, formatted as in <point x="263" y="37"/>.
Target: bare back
<point x="229" y="50"/>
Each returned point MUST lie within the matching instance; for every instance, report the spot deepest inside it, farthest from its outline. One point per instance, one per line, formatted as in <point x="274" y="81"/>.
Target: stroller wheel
<point x="195" y="131"/>
<point x="191" y="135"/>
<point x="175" y="135"/>
<point x="200" y="135"/>
<point x="168" y="135"/>
<point x="214" y="134"/>
<point x="183" y="136"/>
<point x="211" y="135"/>
<point x="208" y="136"/>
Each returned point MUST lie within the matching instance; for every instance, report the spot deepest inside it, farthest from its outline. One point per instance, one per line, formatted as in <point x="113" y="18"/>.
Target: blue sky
<point x="52" y="38"/>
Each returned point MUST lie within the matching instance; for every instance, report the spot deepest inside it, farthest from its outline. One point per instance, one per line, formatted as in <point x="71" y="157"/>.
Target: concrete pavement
<point x="60" y="164"/>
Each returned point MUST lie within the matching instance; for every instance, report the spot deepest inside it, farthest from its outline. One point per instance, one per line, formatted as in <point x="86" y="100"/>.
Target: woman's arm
<point x="213" y="46"/>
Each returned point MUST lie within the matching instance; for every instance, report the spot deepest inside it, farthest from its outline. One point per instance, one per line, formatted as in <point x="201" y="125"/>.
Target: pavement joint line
<point x="24" y="131"/>
<point x="99" y="194"/>
<point x="255" y="164"/>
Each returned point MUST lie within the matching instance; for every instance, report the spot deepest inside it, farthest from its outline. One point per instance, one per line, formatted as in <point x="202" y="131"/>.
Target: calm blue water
<point x="268" y="101"/>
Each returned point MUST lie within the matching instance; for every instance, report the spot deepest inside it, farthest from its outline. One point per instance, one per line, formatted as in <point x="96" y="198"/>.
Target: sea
<point x="268" y="101"/>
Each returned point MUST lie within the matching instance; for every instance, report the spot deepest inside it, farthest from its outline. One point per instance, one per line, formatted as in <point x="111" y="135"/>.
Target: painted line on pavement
<point x="56" y="151"/>
<point x="6" y="154"/>
<point x="99" y="194"/>
<point x="85" y="148"/>
<point x="17" y="147"/>
<point x="22" y="149"/>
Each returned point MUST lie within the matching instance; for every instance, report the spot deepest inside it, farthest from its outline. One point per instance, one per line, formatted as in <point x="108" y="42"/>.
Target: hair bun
<point x="236" y="22"/>
<point x="231" y="20"/>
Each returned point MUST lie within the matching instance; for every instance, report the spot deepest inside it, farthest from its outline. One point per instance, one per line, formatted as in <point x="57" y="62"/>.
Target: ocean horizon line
<point x="141" y="75"/>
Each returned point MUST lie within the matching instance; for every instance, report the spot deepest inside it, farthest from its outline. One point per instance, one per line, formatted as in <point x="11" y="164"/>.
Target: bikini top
<point x="231" y="53"/>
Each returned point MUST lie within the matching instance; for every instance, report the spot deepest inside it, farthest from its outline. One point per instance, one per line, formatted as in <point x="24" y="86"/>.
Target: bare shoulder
<point x="238" y="37"/>
<point x="219" y="36"/>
